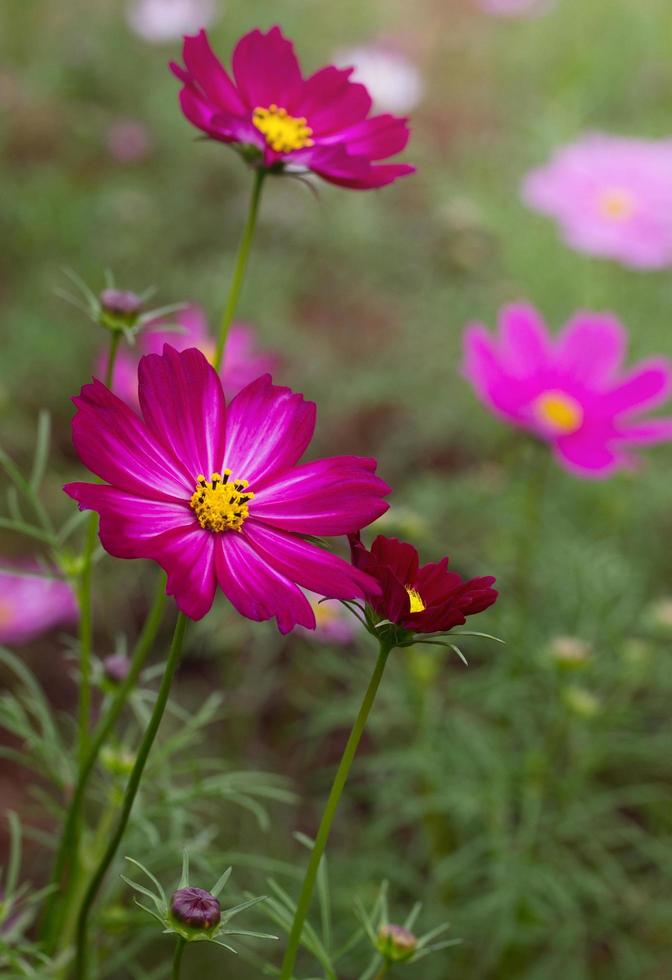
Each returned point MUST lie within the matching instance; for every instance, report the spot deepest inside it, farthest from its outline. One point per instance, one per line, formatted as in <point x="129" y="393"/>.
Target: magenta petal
<point x="119" y="448"/>
<point x="331" y="102"/>
<point x="524" y="341"/>
<point x="646" y="433"/>
<point x="332" y="496"/>
<point x="266" y="70"/>
<point x="591" y="347"/>
<point x="187" y="555"/>
<point x="257" y="590"/>
<point x="268" y="429"/>
<point x="589" y="458"/>
<point x="206" y="69"/>
<point x="183" y="404"/>
<point x="646" y="387"/>
<point x="377" y="137"/>
<point x="305" y="563"/>
<point x="377" y="176"/>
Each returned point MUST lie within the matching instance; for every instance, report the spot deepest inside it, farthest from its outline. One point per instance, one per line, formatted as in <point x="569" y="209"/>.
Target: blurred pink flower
<point x="281" y="119"/>
<point x="128" y="140"/>
<point x="611" y="197"/>
<point x="516" y="8"/>
<point x="158" y="21"/>
<point x="334" y="623"/>
<point x="392" y="80"/>
<point x="31" y="604"/>
<point x="570" y="391"/>
<point x="242" y="361"/>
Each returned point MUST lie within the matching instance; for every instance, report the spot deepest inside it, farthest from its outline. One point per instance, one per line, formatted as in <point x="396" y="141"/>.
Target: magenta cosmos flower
<point x="611" y="197"/>
<point x="242" y="361"/>
<point x="214" y="493"/>
<point x="32" y="603"/>
<point x="280" y="119"/>
<point x="419" y="598"/>
<point x="570" y="391"/>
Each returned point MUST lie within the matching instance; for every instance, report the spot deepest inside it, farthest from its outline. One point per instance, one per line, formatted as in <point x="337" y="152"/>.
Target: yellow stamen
<point x="559" y="412"/>
<point x="616" y="204"/>
<point x="220" y="504"/>
<point x="417" y="605"/>
<point x="282" y="132"/>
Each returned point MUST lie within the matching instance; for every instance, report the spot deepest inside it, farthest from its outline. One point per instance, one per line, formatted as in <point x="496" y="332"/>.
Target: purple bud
<point x="116" y="667"/>
<point x="196" y="908"/>
<point x="396" y="942"/>
<point x="121" y="303"/>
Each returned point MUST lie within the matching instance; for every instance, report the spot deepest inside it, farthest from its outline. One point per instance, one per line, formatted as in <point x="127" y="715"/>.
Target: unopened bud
<point x="196" y="908"/>
<point x="116" y="667"/>
<point x="120" y="308"/>
<point x="396" y="943"/>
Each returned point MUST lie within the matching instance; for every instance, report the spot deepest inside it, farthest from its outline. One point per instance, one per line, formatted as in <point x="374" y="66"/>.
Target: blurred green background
<point x="525" y="802"/>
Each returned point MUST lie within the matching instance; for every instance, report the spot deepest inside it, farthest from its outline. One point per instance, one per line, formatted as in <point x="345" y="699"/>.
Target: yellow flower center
<point x="417" y="605"/>
<point x="282" y="132"/>
<point x="616" y="204"/>
<point x="559" y="411"/>
<point x="220" y="504"/>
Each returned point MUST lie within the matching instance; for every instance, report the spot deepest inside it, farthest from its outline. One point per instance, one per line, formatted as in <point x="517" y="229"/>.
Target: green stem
<point x="129" y="797"/>
<point x="338" y="785"/>
<point x="115" y="340"/>
<point x="69" y="844"/>
<point x="535" y="493"/>
<point x="177" y="959"/>
<point x="384" y="970"/>
<point x="239" y="268"/>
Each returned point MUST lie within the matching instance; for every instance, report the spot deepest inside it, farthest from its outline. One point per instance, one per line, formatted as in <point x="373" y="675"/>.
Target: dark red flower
<point x="423" y="599"/>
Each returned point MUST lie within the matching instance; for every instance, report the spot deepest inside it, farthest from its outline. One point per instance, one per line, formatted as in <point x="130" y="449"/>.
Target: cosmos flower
<point x="334" y="623"/>
<point x="241" y="364"/>
<point x="391" y="79"/>
<point x="279" y="119"/>
<point x="516" y="8"/>
<point x="214" y="494"/>
<point x="611" y="197"/>
<point x="31" y="604"/>
<point x="419" y="598"/>
<point x="158" y="21"/>
<point x="570" y="391"/>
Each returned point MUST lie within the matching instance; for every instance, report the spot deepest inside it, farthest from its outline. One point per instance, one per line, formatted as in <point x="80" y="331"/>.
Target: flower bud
<point x="569" y="651"/>
<point x="116" y="667"/>
<point x="396" y="943"/>
<point x="196" y="908"/>
<point x="119" y="308"/>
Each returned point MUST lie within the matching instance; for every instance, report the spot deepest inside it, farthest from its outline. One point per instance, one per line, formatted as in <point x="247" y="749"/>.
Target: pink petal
<point x="201" y="114"/>
<point x="331" y="102"/>
<point x="646" y="433"/>
<point x="305" y="563"/>
<point x="192" y="331"/>
<point x="332" y="496"/>
<point x="377" y="137"/>
<point x="268" y="429"/>
<point x="524" y="340"/>
<point x="589" y="458"/>
<point x="119" y="448"/>
<point x="183" y="404"/>
<point x="647" y="386"/>
<point x="266" y="70"/>
<point x="483" y="368"/>
<point x="376" y="176"/>
<point x="187" y="555"/>
<point x="256" y="589"/>
<point x="209" y="73"/>
<point x="591" y="347"/>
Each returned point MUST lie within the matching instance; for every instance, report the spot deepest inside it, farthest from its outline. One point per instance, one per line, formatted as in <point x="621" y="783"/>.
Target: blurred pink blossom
<point x="516" y="8"/>
<point x="158" y="21"/>
<point x="242" y="363"/>
<point x="393" y="80"/>
<point x="31" y="603"/>
<point x="128" y="140"/>
<point x="335" y="624"/>
<point x="610" y="197"/>
<point x="570" y="391"/>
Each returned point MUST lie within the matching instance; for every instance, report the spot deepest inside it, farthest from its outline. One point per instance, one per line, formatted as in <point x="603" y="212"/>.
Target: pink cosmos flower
<point x="242" y="361"/>
<point x="611" y="197"/>
<point x="214" y="494"/>
<point x="516" y="8"/>
<point x="31" y="604"/>
<point x="281" y="120"/>
<point x="570" y="390"/>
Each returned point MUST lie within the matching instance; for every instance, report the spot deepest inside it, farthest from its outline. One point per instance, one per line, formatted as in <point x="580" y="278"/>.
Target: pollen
<point x="220" y="503"/>
<point x="559" y="412"/>
<point x="417" y="605"/>
<point x="616" y="204"/>
<point x="283" y="133"/>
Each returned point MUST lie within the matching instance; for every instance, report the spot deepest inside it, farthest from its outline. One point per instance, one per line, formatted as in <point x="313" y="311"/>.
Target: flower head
<point x="158" y="21"/>
<point x="396" y="943"/>
<point x="611" y="197"/>
<point x="570" y="391"/>
<point x="278" y="119"/>
<point x="32" y="603"/>
<point x="242" y="361"/>
<point x="214" y="494"/>
<point x="419" y="598"/>
<point x="196" y="908"/>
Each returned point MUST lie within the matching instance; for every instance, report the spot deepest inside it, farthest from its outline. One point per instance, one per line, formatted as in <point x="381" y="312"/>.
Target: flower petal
<point x="209" y="73"/>
<point x="266" y="70"/>
<point x="524" y="341"/>
<point x="118" y="447"/>
<point x="268" y="429"/>
<point x="182" y="401"/>
<point x="377" y="138"/>
<point x="591" y="347"/>
<point x="187" y="555"/>
<point x="647" y="386"/>
<point x="332" y="496"/>
<point x="401" y="558"/>
<point x="257" y="590"/>
<point x="331" y="102"/>
<point x="190" y="330"/>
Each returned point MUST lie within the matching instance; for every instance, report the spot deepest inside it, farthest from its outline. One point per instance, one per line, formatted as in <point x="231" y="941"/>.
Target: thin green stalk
<point x="115" y="340"/>
<point x="129" y="798"/>
<point x="69" y="843"/>
<point x="177" y="959"/>
<point x="338" y="785"/>
<point x="384" y="970"/>
<point x="535" y="493"/>
<point x="239" y="268"/>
